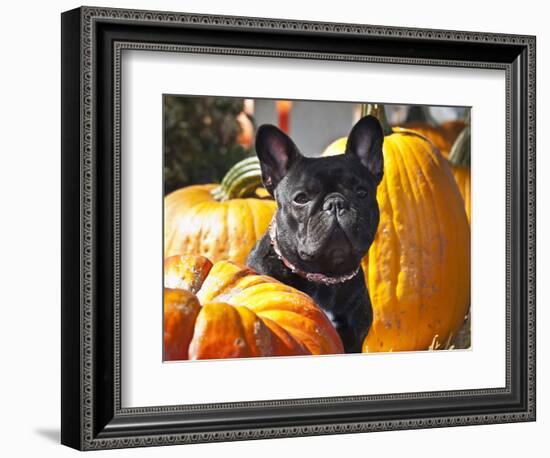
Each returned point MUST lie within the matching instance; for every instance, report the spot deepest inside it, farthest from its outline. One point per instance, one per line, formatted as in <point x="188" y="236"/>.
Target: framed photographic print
<point x="277" y="228"/>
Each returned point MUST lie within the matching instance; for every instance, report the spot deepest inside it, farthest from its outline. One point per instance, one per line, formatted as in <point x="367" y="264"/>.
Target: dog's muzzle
<point x="310" y="276"/>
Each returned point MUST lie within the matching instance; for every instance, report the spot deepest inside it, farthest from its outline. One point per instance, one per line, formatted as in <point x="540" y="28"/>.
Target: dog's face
<point x="327" y="210"/>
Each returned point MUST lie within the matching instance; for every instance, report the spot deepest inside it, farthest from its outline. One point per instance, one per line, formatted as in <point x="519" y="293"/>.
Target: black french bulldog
<point x="326" y="220"/>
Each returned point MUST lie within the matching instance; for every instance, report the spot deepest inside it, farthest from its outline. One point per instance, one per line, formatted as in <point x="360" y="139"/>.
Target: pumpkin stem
<point x="461" y="151"/>
<point x="459" y="155"/>
<point x="240" y="181"/>
<point x="468" y="117"/>
<point x="377" y="110"/>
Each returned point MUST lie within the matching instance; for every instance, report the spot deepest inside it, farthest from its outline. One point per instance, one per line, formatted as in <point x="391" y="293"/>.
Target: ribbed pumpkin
<point x="226" y="310"/>
<point x="418" y="268"/>
<point x="218" y="221"/>
<point x="459" y="158"/>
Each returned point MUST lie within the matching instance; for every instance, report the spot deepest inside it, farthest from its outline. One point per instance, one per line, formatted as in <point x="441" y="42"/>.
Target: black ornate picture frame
<point x="92" y="42"/>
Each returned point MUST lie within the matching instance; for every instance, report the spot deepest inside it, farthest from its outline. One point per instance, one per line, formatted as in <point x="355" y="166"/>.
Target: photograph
<point x="276" y="228"/>
<point x="306" y="227"/>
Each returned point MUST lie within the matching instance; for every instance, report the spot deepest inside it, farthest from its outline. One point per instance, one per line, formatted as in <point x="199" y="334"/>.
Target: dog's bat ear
<point x="365" y="142"/>
<point x="276" y="152"/>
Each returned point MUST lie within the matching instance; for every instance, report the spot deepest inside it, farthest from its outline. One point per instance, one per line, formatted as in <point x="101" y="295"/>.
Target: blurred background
<point x="205" y="136"/>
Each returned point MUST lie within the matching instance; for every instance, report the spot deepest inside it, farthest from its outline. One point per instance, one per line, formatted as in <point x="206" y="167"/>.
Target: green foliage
<point x="200" y="139"/>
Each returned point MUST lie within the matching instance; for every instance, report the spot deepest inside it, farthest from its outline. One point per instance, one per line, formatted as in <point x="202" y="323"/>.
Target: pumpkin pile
<point x="225" y="310"/>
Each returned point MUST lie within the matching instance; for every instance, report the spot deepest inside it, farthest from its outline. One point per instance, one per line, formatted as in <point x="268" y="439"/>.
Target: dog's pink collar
<point x="310" y="276"/>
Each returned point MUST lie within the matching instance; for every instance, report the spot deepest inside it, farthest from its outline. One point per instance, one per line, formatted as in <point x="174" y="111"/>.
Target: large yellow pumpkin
<point x="226" y="310"/>
<point x="217" y="221"/>
<point x="418" y="268"/>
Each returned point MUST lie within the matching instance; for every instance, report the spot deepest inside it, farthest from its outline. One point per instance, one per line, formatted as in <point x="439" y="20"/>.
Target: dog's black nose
<point x="335" y="202"/>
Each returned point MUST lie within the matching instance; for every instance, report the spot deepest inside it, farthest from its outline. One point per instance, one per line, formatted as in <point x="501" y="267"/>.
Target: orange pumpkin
<point x="441" y="135"/>
<point x="418" y="268"/>
<point x="433" y="133"/>
<point x="226" y="310"/>
<point x="451" y="129"/>
<point x="218" y="221"/>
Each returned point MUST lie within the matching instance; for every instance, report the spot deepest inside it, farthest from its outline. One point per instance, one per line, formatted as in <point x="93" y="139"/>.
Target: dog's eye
<point x="301" y="198"/>
<point x="361" y="192"/>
